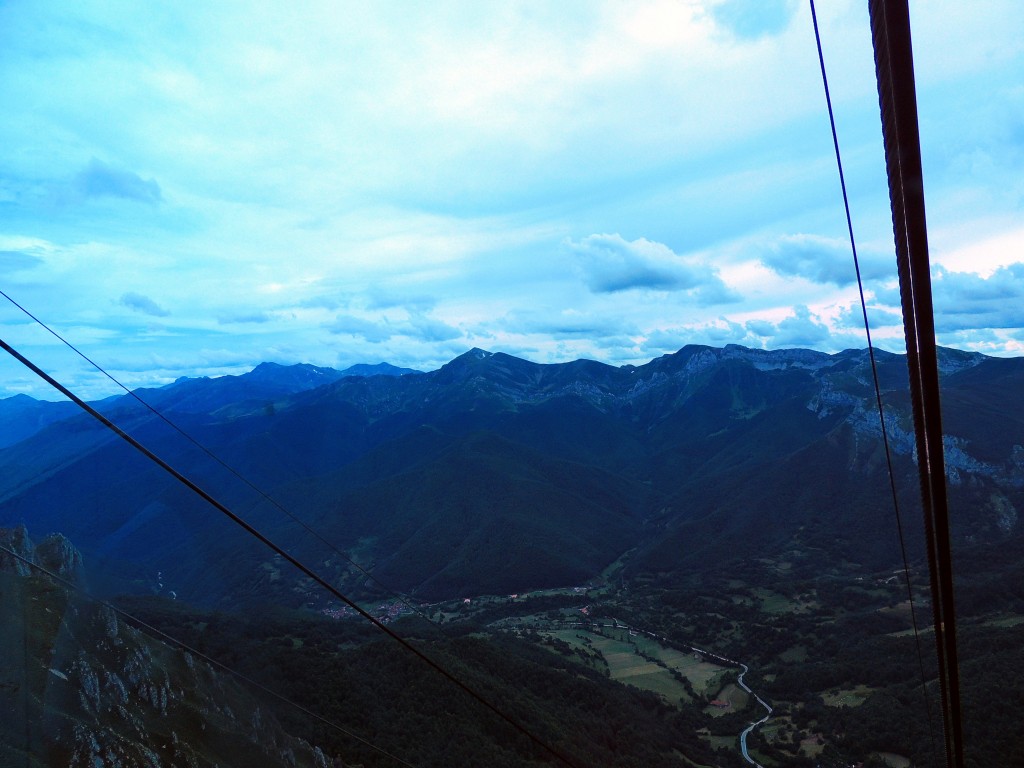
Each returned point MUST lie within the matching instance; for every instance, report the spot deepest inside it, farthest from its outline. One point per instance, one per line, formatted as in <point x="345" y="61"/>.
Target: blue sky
<point x="192" y="188"/>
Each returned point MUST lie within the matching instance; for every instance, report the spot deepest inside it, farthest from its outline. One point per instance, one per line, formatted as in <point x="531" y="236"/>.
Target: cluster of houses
<point x="385" y="612"/>
<point x="338" y="613"/>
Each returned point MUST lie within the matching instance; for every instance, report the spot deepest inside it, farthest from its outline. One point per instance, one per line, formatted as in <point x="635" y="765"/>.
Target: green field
<point x="894" y="760"/>
<point x="900" y="610"/>
<point x="794" y="655"/>
<point x="812" y="747"/>
<point x="732" y="693"/>
<point x="703" y="675"/>
<point x="722" y="742"/>
<point x="774" y="603"/>
<point x="622" y="655"/>
<point x="852" y="697"/>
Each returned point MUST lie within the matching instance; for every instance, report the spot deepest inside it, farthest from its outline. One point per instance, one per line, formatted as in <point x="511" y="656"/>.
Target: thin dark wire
<point x="186" y="647"/>
<point x="26" y="694"/>
<point x="306" y="570"/>
<point x="266" y="496"/>
<point x="878" y="389"/>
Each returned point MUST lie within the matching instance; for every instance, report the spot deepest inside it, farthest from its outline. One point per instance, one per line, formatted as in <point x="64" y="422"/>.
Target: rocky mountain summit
<point x="54" y="553"/>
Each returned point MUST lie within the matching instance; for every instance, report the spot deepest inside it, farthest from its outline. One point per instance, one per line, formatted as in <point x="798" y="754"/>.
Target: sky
<point x="192" y="188"/>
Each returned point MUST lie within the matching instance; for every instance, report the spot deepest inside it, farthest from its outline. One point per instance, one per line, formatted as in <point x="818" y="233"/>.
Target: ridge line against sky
<point x="194" y="189"/>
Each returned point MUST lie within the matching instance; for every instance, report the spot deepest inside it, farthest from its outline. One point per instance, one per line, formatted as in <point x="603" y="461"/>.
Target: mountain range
<point x="494" y="474"/>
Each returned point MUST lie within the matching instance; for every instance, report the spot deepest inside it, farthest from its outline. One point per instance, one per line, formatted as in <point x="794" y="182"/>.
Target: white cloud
<point x="965" y="301"/>
<point x="566" y="324"/>
<point x="754" y="20"/>
<point x="100" y="180"/>
<point x="825" y="260"/>
<point x="140" y="303"/>
<point x="610" y="264"/>
<point x="400" y="181"/>
<point x="18" y="261"/>
<point x="368" y="330"/>
<point x="244" y="317"/>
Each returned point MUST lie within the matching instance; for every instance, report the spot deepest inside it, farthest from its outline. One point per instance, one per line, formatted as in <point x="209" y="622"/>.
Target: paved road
<point x="616" y="624"/>
<point x="752" y="726"/>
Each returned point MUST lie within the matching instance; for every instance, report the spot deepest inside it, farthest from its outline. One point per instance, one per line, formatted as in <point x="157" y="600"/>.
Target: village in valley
<point x="577" y="624"/>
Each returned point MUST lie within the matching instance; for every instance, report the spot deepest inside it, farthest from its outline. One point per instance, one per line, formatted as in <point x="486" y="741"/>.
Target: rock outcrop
<point x="79" y="687"/>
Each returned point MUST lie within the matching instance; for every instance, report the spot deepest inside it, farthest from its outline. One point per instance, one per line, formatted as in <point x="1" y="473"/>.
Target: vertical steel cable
<point x="897" y="97"/>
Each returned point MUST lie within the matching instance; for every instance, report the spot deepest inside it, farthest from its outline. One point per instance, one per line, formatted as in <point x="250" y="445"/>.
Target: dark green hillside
<point x="984" y="406"/>
<point x="444" y="515"/>
<point x="703" y="456"/>
<point x="23" y="416"/>
<point x="578" y="430"/>
<point x="491" y="516"/>
<point x="831" y="496"/>
<point x="343" y="671"/>
<point x="266" y="382"/>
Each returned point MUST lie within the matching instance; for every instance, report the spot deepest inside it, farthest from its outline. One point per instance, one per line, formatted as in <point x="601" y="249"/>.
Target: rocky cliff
<point x="79" y="687"/>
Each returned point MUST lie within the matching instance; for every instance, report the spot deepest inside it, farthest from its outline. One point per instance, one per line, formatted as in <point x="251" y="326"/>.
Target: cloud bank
<point x="139" y="303"/>
<point x="100" y="180"/>
<point x="610" y="264"/>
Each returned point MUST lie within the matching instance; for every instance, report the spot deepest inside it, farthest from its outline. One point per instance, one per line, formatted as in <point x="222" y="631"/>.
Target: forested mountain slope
<point x="497" y="474"/>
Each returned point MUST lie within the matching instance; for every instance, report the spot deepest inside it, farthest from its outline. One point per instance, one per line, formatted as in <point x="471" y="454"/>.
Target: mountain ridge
<point x="23" y="416"/>
<point x="703" y="440"/>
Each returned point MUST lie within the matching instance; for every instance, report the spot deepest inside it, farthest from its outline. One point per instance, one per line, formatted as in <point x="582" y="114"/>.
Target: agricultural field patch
<point x="730" y="698"/>
<point x="671" y="656"/>
<point x="703" y="675"/>
<point x="777" y="731"/>
<point x="794" y="655"/>
<point x="641" y="661"/>
<point x="812" y="746"/>
<point x="582" y="644"/>
<point x="721" y="742"/>
<point x="775" y="603"/>
<point x="851" y="697"/>
<point x="893" y="760"/>
<point x="900" y="610"/>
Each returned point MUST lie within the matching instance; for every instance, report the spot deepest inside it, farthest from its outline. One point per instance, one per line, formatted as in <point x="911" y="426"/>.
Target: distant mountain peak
<point x="377" y="369"/>
<point x="470" y="356"/>
<point x="263" y="367"/>
<point x="276" y="370"/>
<point x="21" y="398"/>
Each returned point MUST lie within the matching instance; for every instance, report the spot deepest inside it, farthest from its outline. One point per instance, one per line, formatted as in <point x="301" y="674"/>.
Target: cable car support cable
<point x="897" y="97"/>
<point x="291" y="559"/>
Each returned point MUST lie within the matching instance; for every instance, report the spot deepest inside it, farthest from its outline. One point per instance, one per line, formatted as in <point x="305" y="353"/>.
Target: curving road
<point x="752" y="726"/>
<point x="707" y="654"/>
<point x="739" y="681"/>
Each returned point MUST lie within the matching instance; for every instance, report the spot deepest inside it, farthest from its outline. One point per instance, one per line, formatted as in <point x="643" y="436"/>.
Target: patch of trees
<point x="349" y="675"/>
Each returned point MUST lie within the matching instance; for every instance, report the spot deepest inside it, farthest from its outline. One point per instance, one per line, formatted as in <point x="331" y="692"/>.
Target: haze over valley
<point x="728" y="500"/>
